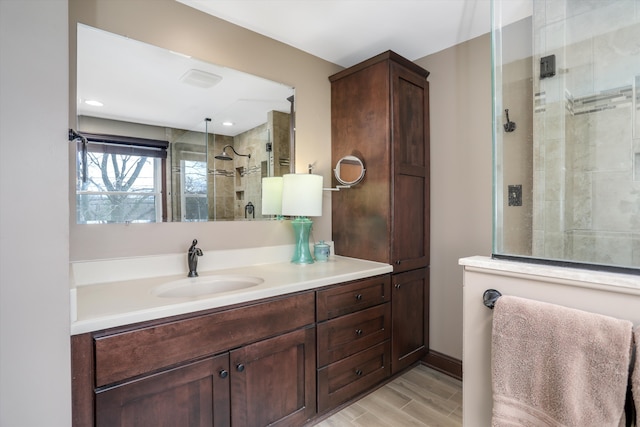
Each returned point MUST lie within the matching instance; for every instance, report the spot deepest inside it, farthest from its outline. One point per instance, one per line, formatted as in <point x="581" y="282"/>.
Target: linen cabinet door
<point x="273" y="382"/>
<point x="409" y="318"/>
<point x="193" y="395"/>
<point x="410" y="236"/>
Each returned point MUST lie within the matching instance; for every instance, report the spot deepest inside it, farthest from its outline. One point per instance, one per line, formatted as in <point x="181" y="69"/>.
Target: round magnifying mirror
<point x="349" y="170"/>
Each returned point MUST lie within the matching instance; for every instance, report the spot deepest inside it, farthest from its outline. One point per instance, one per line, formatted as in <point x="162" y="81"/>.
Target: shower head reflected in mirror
<point x="225" y="156"/>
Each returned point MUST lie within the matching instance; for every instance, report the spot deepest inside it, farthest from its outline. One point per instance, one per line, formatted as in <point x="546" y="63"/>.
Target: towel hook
<point x="509" y="126"/>
<point x="490" y="297"/>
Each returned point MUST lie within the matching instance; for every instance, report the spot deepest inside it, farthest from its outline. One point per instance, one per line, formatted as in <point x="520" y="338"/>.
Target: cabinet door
<point x="410" y="246"/>
<point x="410" y="318"/>
<point x="194" y="395"/>
<point x="273" y="381"/>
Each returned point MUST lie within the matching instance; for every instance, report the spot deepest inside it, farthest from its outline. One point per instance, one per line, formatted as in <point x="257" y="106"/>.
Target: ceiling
<point x="346" y="32"/>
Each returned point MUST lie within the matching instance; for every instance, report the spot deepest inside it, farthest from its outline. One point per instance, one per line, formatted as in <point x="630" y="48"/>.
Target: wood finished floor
<point x="419" y="397"/>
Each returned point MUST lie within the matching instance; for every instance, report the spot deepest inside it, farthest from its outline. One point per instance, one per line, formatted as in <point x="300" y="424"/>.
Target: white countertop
<point x="105" y="305"/>
<point x="625" y="283"/>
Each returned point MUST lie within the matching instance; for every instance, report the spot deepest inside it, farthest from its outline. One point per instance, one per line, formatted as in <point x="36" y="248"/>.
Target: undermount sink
<point x="204" y="285"/>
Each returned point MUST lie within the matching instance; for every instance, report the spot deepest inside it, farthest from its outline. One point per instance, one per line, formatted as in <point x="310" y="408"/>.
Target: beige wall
<point x="172" y="25"/>
<point x="460" y="100"/>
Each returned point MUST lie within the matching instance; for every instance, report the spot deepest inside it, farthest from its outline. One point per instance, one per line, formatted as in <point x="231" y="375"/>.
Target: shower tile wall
<point x="586" y="150"/>
<point x="234" y="184"/>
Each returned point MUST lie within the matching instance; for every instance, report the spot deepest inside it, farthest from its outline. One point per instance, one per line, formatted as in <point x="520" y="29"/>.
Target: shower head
<point x="225" y="156"/>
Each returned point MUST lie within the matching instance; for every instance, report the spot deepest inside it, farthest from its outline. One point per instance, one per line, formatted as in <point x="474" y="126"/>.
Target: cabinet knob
<point x="397" y="286"/>
<point x="397" y="262"/>
<point x="240" y="367"/>
<point x="224" y="374"/>
<point x="358" y="297"/>
<point x="358" y="332"/>
<point x="359" y="372"/>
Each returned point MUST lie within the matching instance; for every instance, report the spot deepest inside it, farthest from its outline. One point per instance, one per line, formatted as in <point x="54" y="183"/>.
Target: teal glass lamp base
<point x="301" y="229"/>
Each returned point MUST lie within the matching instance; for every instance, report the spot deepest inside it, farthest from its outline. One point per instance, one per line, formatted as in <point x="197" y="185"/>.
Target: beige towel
<point x="556" y="366"/>
<point x="635" y="377"/>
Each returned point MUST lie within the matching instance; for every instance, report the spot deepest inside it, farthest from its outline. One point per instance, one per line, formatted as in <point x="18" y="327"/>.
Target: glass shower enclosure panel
<point x="567" y="173"/>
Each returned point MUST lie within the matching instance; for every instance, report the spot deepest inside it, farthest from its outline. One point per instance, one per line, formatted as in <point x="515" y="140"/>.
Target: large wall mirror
<point x="162" y="136"/>
<point x="567" y="174"/>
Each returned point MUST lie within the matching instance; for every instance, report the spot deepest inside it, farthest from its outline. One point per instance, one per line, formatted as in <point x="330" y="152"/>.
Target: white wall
<point x="35" y="376"/>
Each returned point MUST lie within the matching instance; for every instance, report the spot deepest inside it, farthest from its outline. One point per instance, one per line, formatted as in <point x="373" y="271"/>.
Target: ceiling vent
<point x="200" y="78"/>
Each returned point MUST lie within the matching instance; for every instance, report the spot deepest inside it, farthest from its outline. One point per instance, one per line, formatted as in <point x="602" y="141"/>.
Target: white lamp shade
<point x="302" y="194"/>
<point x="272" y="195"/>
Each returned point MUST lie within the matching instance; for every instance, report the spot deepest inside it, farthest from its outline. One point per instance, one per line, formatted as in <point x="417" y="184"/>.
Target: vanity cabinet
<point x="252" y="365"/>
<point x="380" y="114"/>
<point x="410" y="296"/>
<point x="178" y="397"/>
<point x="354" y="327"/>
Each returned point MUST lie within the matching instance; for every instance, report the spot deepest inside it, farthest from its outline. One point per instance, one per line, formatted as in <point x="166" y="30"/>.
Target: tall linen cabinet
<point x="380" y="113"/>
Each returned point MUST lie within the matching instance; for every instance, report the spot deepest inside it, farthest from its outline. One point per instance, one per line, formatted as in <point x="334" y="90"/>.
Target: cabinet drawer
<point x="352" y="297"/>
<point x="128" y="354"/>
<point x="349" y="334"/>
<point x="353" y="375"/>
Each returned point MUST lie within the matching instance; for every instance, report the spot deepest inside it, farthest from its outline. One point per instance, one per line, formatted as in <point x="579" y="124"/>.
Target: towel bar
<point x="490" y="297"/>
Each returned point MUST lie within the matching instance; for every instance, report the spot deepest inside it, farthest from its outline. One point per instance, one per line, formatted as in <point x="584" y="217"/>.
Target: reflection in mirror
<point x="349" y="170"/>
<point x="567" y="184"/>
<point x="132" y="91"/>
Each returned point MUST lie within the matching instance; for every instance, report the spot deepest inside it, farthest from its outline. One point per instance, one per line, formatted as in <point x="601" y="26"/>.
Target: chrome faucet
<point x="192" y="257"/>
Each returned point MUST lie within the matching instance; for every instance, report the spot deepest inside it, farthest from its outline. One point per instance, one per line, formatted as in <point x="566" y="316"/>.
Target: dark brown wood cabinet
<point x="177" y="397"/>
<point x="253" y="365"/>
<point x="380" y="113"/>
<point x="273" y="381"/>
<point x="354" y="327"/>
<point x="410" y="319"/>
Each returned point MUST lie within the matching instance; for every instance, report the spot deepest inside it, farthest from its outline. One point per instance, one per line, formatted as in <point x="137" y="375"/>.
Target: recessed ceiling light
<point x="227" y="123"/>
<point x="93" y="102"/>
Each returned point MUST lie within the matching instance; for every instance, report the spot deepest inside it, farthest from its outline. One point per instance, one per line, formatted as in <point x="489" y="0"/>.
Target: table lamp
<point x="302" y="198"/>
<point x="272" y="196"/>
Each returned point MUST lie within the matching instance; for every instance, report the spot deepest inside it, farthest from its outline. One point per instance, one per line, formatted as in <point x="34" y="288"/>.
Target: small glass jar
<point x="321" y="251"/>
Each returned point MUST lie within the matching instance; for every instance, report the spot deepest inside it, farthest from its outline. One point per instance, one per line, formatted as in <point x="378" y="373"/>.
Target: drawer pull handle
<point x="240" y="367"/>
<point x="359" y="372"/>
<point x="224" y="374"/>
<point x="358" y="332"/>
<point x="398" y="286"/>
<point x="358" y="297"/>
<point x="398" y="262"/>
